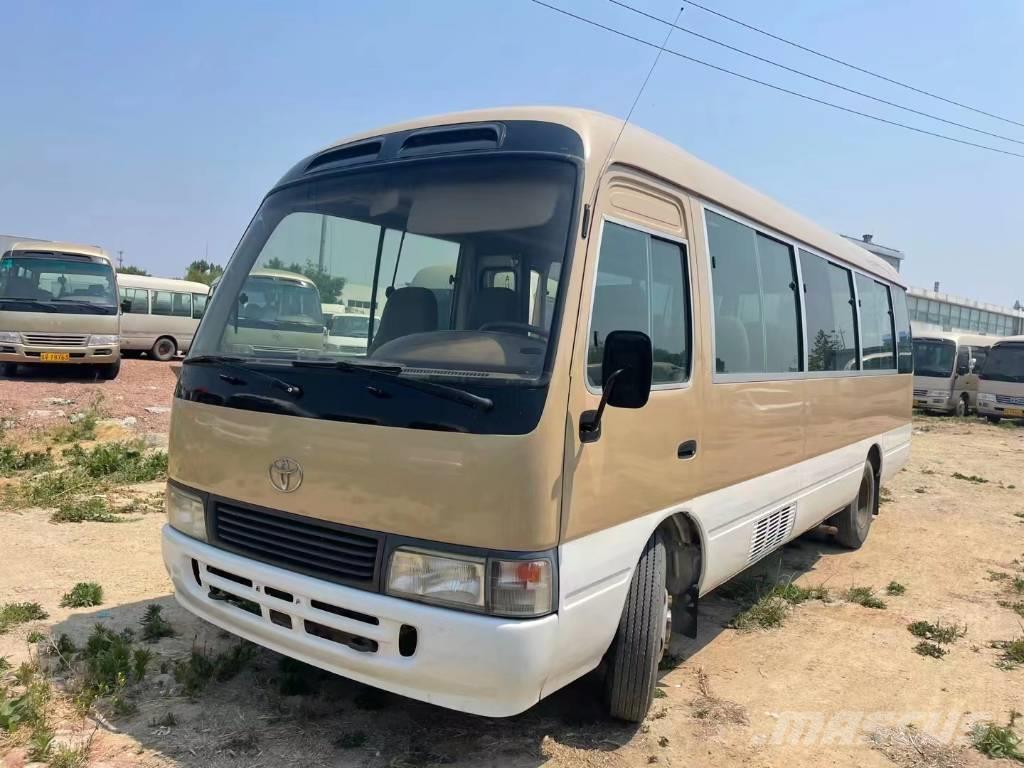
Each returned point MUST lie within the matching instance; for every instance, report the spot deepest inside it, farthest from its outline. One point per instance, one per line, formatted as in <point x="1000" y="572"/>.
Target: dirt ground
<point x="837" y="684"/>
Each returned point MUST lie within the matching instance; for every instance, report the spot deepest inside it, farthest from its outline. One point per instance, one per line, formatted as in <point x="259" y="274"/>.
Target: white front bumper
<point x="478" y="664"/>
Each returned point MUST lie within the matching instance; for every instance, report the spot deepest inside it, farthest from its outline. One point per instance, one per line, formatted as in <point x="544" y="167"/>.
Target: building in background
<point x="934" y="311"/>
<point x="890" y="255"/>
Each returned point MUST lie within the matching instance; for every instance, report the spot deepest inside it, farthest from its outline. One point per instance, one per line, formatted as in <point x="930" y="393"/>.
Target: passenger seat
<point x="409" y="310"/>
<point x="493" y="305"/>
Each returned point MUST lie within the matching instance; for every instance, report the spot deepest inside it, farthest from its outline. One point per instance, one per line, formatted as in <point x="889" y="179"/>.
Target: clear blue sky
<point x="157" y="127"/>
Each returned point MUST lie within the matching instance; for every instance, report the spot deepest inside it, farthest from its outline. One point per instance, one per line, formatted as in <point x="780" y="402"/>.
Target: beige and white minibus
<point x="635" y="379"/>
<point x="58" y="304"/>
<point x="1001" y="382"/>
<point x="160" y="314"/>
<point x="946" y="369"/>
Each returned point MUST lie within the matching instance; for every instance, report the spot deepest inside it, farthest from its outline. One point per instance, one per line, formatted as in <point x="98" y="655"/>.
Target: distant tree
<point x="203" y="271"/>
<point x="128" y="269"/>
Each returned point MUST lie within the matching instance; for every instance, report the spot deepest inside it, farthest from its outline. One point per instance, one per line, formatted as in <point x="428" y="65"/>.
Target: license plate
<point x="1014" y="412"/>
<point x="54" y="357"/>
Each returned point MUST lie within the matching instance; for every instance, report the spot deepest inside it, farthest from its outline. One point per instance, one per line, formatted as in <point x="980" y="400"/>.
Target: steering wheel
<point x="524" y="328"/>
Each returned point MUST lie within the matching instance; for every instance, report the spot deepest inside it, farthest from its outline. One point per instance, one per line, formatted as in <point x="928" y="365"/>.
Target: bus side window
<point x="139" y="298"/>
<point x="198" y="305"/>
<point x="979" y="354"/>
<point x="963" y="361"/>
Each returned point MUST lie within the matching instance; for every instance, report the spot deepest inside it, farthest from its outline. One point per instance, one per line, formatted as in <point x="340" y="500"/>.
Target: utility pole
<point x="120" y="259"/>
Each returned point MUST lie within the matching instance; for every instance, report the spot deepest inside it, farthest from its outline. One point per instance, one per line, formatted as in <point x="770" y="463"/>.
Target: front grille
<point x="1009" y="400"/>
<point x="314" y="547"/>
<point x="55" y="339"/>
<point x="920" y="393"/>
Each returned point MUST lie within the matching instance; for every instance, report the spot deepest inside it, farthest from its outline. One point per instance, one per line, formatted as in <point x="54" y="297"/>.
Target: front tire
<point x="994" y="419"/>
<point x="632" y="670"/>
<point x="9" y="369"/>
<point x="109" y="371"/>
<point x="854" y="522"/>
<point x="963" y="407"/>
<point x="164" y="349"/>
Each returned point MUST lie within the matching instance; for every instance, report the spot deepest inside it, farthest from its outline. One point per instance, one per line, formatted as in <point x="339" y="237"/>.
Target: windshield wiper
<point x="394" y="373"/>
<point x="36" y="302"/>
<point x="239" y="364"/>
<point x="97" y="308"/>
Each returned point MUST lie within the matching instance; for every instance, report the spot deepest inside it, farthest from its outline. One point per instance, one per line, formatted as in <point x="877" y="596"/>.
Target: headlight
<point x="9" y="337"/>
<point x="437" y="578"/>
<point x="103" y="340"/>
<point x="186" y="512"/>
<point x="522" y="588"/>
<point x="938" y="393"/>
<point x="986" y="397"/>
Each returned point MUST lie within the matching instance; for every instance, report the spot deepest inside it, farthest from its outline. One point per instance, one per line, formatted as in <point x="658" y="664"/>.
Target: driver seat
<point x="493" y="305"/>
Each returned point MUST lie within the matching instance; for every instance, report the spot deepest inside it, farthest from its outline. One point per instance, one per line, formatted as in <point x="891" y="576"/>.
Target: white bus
<point x="946" y="369"/>
<point x="160" y="314"/>
<point x="1001" y="385"/>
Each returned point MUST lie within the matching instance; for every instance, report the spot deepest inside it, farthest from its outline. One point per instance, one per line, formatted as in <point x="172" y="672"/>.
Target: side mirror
<point x="329" y="323"/>
<point x="961" y="370"/>
<point x="626" y="372"/>
<point x="126" y="305"/>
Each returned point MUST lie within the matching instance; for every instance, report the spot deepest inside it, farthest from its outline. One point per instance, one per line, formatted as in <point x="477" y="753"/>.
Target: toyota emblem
<point x="285" y="474"/>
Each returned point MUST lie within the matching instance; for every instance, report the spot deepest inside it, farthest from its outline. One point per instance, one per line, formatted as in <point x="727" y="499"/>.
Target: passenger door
<point x="638" y="276"/>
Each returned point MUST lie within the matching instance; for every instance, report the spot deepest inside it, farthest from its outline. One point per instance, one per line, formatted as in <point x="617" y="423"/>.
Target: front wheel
<point x="854" y="522"/>
<point x="640" y="639"/>
<point x="9" y="369"/>
<point x="164" y="349"/>
<point x="962" y="407"/>
<point x="109" y="371"/>
<point x="994" y="419"/>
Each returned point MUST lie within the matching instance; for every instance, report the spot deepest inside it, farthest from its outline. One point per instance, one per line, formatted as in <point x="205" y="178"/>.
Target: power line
<point x="855" y="67"/>
<point x="779" y="87"/>
<point x="815" y="77"/>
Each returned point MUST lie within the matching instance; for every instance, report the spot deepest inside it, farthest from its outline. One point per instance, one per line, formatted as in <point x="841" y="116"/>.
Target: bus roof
<point x="641" y="149"/>
<point x="160" y="283"/>
<point x="282" y="274"/>
<point x="1010" y="339"/>
<point x="47" y="246"/>
<point x="961" y="338"/>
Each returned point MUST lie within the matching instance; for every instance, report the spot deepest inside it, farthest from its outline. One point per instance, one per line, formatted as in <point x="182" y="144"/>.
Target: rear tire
<point x="994" y="419"/>
<point x="633" y="658"/>
<point x="109" y="371"/>
<point x="164" y="349"/>
<point x="854" y="522"/>
<point x="963" y="407"/>
<point x="9" y="369"/>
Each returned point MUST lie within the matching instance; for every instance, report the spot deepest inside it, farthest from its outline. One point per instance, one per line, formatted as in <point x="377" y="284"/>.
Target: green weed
<point x="83" y="427"/>
<point x="864" y="596"/>
<point x="13" y="614"/>
<point x="937" y="632"/>
<point x="91" y="509"/>
<point x="12" y="460"/>
<point x="1017" y="607"/>
<point x="154" y="625"/>
<point x="71" y="757"/>
<point x="40" y="744"/>
<point x="195" y="672"/>
<point x="1013" y="652"/>
<point x="924" y="648"/>
<point x="85" y="594"/>
<point x="997" y="741"/>
<point x="895" y="589"/>
<point x="123" y="462"/>
<point x="969" y="478"/>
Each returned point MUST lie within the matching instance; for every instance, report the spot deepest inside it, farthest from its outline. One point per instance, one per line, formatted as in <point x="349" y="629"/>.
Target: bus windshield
<point x="459" y="260"/>
<point x="1005" y="362"/>
<point x="42" y="281"/>
<point x="934" y="357"/>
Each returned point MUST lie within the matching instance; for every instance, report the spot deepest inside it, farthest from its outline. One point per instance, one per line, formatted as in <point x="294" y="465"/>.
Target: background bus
<point x="58" y="304"/>
<point x="1001" y="384"/>
<point x="946" y="369"/>
<point x="160" y="314"/>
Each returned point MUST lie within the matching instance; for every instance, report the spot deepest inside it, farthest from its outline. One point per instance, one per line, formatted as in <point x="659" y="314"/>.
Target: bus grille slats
<point x="304" y="544"/>
<point x="1009" y="400"/>
<point x="55" y="339"/>
<point x="920" y="392"/>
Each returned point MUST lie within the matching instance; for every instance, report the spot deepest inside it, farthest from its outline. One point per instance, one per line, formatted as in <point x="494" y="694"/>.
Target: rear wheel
<point x="640" y="639"/>
<point x="994" y="419"/>
<point x="9" y="369"/>
<point x="963" y="406"/>
<point x="164" y="349"/>
<point x="854" y="522"/>
<point x="110" y="370"/>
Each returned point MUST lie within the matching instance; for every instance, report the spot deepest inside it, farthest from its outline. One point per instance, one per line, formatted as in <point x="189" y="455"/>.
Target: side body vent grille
<point x="770" y="530"/>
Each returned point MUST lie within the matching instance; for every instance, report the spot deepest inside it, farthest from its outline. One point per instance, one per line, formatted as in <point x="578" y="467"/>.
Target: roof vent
<point x="452" y="139"/>
<point x="867" y="238"/>
<point x="347" y="155"/>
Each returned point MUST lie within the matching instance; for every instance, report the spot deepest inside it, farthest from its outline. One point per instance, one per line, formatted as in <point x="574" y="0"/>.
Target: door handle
<point x="687" y="450"/>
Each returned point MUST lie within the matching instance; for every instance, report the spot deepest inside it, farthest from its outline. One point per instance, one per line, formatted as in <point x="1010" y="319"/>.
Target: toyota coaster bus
<point x="58" y="304"/>
<point x="1001" y="385"/>
<point x="632" y="381"/>
<point x="946" y="367"/>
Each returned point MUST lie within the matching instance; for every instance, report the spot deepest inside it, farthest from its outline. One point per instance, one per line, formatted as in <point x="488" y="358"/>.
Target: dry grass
<point x="713" y="711"/>
<point x="910" y="748"/>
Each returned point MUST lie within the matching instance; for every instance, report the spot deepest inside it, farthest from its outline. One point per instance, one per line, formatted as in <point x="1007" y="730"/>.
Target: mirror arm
<point x="590" y="421"/>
